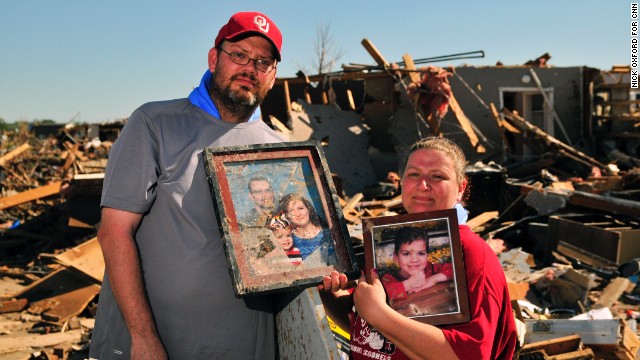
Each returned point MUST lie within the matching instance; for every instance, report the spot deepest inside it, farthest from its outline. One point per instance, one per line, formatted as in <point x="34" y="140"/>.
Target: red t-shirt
<point x="491" y="333"/>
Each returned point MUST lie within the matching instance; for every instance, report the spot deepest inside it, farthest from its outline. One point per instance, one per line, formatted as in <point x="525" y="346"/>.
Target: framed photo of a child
<point x="419" y="259"/>
<point x="279" y="216"/>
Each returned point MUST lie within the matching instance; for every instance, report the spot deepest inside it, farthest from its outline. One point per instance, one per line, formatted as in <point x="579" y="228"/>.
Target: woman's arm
<point x="416" y="339"/>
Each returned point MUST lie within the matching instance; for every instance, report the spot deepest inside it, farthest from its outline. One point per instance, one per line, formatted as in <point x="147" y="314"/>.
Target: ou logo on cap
<point x="262" y="23"/>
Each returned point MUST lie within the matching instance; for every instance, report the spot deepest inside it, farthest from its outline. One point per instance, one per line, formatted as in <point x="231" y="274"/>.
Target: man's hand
<point x="147" y="348"/>
<point x="334" y="283"/>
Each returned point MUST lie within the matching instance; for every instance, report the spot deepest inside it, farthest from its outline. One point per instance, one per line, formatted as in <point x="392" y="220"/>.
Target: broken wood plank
<point x="73" y="150"/>
<point x="393" y="202"/>
<point x="351" y="203"/>
<point x="555" y="346"/>
<point x="409" y="65"/>
<point x="38" y="341"/>
<point x="518" y="291"/>
<point x="60" y="295"/>
<point x="13" y="153"/>
<point x="501" y="129"/>
<point x="30" y="195"/>
<point x="584" y="354"/>
<point x="465" y="123"/>
<point x="287" y="99"/>
<point x="13" y="305"/>
<point x="612" y="292"/>
<point x="351" y="218"/>
<point x="79" y="224"/>
<point x="279" y="125"/>
<point x="606" y="203"/>
<point x="375" y="54"/>
<point x="482" y="219"/>
<point x="86" y="257"/>
<point x="542" y="138"/>
<point x="352" y="104"/>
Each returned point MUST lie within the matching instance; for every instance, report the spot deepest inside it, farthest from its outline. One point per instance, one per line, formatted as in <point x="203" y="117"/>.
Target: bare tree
<point x="326" y="50"/>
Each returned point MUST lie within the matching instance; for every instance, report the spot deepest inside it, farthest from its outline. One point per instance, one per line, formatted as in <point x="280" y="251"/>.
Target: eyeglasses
<point x="262" y="192"/>
<point x="242" y="59"/>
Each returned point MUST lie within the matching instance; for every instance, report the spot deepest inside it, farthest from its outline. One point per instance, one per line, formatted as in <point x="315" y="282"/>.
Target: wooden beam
<point x="393" y="202"/>
<point x="501" y="127"/>
<point x="352" y="104"/>
<point x="466" y="124"/>
<point x="605" y="203"/>
<point x="13" y="153"/>
<point x="287" y="100"/>
<point x="482" y="219"/>
<point x="555" y="346"/>
<point x="279" y="125"/>
<point x="13" y="305"/>
<point x="72" y="149"/>
<point x="375" y="54"/>
<point x="351" y="203"/>
<point x="409" y="65"/>
<point x="30" y="195"/>
<point x="341" y="77"/>
<point x="518" y="291"/>
<point x="612" y="292"/>
<point x="540" y="136"/>
<point x="86" y="257"/>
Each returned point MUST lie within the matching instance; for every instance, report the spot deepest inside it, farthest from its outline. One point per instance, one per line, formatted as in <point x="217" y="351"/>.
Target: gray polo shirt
<point x="156" y="167"/>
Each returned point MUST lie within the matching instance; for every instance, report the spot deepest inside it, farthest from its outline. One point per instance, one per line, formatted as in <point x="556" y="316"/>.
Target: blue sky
<point x="96" y="61"/>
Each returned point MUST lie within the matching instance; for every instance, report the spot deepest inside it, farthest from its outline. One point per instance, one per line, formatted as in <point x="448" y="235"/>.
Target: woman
<point x="314" y="243"/>
<point x="433" y="179"/>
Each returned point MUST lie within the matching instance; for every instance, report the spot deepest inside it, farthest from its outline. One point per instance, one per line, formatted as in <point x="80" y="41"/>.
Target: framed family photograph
<point x="419" y="260"/>
<point x="279" y="216"/>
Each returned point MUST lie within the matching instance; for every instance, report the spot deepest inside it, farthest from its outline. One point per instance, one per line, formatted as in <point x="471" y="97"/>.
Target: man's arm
<point x="122" y="264"/>
<point x="336" y="300"/>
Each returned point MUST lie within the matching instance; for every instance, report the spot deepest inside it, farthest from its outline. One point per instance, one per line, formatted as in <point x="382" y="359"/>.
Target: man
<point x="263" y="199"/>
<point x="167" y="292"/>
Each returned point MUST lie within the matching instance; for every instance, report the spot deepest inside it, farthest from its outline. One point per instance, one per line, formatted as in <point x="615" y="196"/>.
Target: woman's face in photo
<point x="298" y="213"/>
<point x="412" y="258"/>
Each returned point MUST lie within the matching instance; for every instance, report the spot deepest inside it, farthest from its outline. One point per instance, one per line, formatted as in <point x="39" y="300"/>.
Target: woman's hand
<point x="370" y="299"/>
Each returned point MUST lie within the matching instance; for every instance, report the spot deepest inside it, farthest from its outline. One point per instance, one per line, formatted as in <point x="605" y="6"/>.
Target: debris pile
<point x="51" y="263"/>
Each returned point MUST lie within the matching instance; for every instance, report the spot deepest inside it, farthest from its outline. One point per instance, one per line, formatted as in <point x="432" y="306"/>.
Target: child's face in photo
<point x="412" y="257"/>
<point x="284" y="238"/>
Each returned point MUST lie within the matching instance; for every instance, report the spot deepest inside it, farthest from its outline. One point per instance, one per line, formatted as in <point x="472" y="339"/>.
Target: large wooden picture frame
<point x="406" y="250"/>
<point x="295" y="178"/>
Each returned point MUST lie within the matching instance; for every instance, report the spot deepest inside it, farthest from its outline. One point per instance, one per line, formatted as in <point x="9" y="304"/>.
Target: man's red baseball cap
<point x="251" y="22"/>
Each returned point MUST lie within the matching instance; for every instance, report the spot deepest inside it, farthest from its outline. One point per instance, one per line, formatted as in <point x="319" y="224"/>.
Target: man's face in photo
<point x="262" y="195"/>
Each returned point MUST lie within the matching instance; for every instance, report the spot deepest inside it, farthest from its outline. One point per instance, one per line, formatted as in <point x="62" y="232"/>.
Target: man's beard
<point x="267" y="206"/>
<point x="240" y="104"/>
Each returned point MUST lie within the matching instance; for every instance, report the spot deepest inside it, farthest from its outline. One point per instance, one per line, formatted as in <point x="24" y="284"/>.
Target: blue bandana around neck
<point x="462" y="213"/>
<point x="200" y="98"/>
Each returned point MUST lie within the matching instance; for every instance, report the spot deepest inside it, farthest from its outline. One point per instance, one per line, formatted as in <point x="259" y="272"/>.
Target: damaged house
<point x="367" y="119"/>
